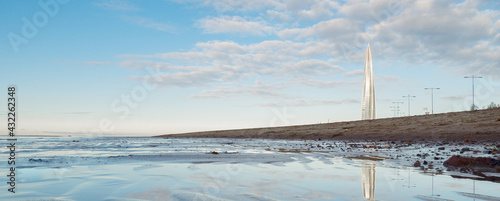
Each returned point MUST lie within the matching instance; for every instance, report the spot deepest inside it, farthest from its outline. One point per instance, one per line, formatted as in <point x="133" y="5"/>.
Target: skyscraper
<point x="368" y="99"/>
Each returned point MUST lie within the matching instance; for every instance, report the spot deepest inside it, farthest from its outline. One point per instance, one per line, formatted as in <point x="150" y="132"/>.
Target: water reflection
<point x="368" y="180"/>
<point x="151" y="175"/>
<point x="409" y="180"/>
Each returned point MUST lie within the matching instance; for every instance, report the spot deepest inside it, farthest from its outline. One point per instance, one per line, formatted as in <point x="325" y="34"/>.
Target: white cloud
<point x="497" y="26"/>
<point x="279" y="58"/>
<point x="278" y="16"/>
<point x="279" y="10"/>
<point x="334" y="30"/>
<point x="450" y="34"/>
<point x="307" y="10"/>
<point x="273" y="90"/>
<point x="372" y="11"/>
<point x="312" y="67"/>
<point x="233" y="24"/>
<point x="258" y="89"/>
<point x="146" y="64"/>
<point x="150" y="23"/>
<point x="200" y="77"/>
<point x="321" y="9"/>
<point x="457" y="36"/>
<point x="219" y="63"/>
<point x="233" y="6"/>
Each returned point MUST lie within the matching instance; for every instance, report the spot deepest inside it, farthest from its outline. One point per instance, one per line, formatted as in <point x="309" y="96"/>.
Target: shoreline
<point x="468" y="126"/>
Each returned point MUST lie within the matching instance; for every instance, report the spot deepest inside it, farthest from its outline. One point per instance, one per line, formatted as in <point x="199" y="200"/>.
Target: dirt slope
<point x="481" y="125"/>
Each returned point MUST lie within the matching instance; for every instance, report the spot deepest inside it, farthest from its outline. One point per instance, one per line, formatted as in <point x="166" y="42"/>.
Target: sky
<point x="143" y="68"/>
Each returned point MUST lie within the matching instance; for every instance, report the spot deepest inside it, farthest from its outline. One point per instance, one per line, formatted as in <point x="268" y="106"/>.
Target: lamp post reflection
<point x="368" y="180"/>
<point x="432" y="192"/>
<point x="409" y="180"/>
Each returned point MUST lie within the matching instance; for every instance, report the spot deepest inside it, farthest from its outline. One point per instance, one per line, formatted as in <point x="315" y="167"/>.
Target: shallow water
<point x="187" y="169"/>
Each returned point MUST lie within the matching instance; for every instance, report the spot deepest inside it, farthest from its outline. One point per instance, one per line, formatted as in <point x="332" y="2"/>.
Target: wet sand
<point x="480" y="126"/>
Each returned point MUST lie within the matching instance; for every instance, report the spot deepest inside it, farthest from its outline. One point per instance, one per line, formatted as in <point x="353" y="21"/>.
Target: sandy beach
<point x="480" y="125"/>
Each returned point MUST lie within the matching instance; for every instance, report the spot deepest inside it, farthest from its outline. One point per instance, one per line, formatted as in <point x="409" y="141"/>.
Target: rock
<point x="441" y="148"/>
<point x="425" y="162"/>
<point x="416" y="164"/>
<point x="466" y="170"/>
<point x="460" y="161"/>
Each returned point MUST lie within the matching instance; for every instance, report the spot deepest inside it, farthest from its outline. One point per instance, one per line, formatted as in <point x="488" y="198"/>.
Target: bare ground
<point x="481" y="126"/>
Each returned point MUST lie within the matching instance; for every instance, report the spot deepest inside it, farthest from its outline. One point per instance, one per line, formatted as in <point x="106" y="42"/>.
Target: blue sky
<point x="125" y="67"/>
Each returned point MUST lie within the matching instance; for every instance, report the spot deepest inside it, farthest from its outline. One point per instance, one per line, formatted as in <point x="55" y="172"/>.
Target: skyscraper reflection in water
<point x="368" y="180"/>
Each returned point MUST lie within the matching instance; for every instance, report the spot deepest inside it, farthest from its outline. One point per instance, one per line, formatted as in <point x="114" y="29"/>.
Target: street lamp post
<point x="394" y="110"/>
<point x="473" y="106"/>
<point x="409" y="102"/>
<point x="397" y="106"/>
<point x="432" y="98"/>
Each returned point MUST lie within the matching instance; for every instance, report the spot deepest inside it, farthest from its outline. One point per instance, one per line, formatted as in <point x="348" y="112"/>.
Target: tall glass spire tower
<point x="368" y="99"/>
